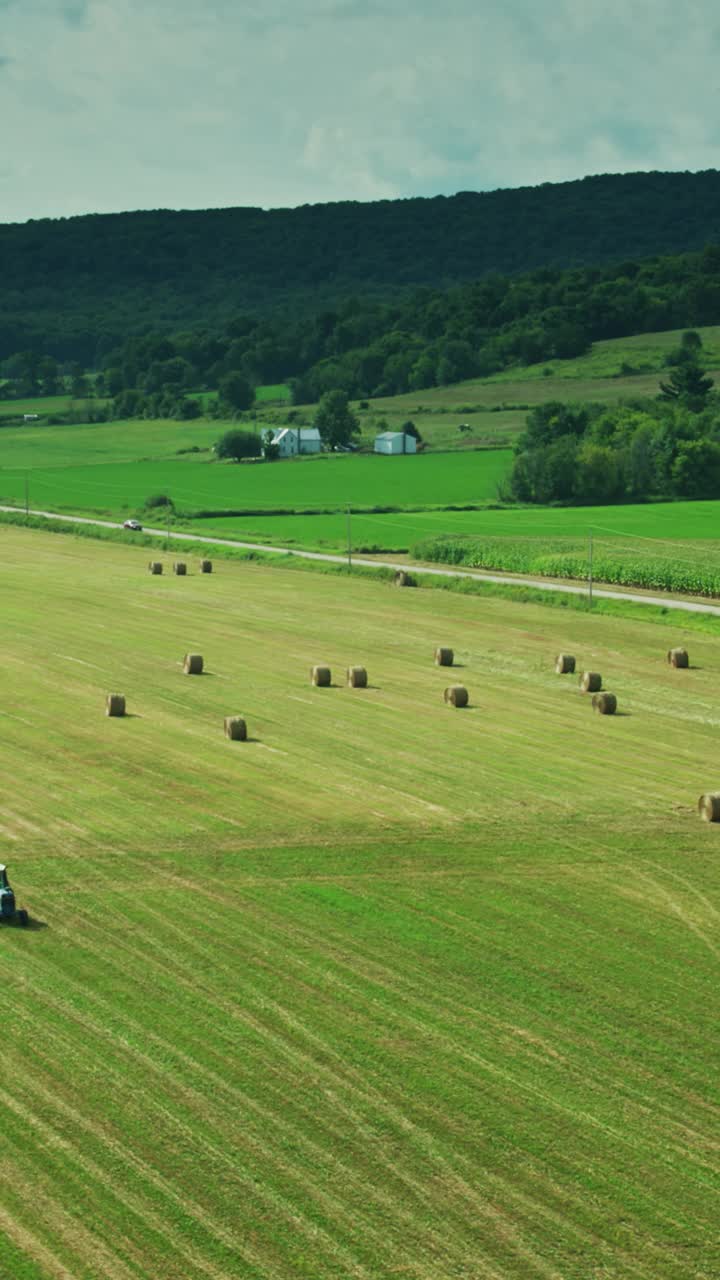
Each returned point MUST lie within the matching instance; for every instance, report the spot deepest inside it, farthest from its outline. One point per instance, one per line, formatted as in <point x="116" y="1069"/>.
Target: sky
<point x="108" y="105"/>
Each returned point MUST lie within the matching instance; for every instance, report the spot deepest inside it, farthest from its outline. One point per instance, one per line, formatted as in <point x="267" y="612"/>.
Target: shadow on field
<point x="32" y="926"/>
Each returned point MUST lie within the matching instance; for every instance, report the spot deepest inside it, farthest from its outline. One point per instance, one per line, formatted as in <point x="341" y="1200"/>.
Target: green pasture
<point x="643" y="352"/>
<point x="326" y="480"/>
<point x="652" y="528"/>
<point x="388" y="989"/>
<point x="277" y="391"/>
<point x="42" y="446"/>
<point x="597" y="377"/>
<point x="43" y="405"/>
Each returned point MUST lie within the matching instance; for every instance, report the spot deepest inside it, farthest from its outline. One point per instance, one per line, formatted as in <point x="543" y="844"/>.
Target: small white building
<point x="395" y="442"/>
<point x="291" y="441"/>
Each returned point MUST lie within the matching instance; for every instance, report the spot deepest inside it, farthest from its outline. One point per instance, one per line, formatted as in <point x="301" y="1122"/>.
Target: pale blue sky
<point x="127" y="104"/>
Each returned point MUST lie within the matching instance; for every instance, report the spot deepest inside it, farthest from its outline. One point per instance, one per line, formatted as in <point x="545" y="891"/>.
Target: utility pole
<point x="349" y="538"/>
<point x="590" y="569"/>
<point x="27" y="496"/>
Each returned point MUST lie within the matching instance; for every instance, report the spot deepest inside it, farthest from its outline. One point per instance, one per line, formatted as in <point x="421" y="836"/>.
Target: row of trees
<point x="669" y="447"/>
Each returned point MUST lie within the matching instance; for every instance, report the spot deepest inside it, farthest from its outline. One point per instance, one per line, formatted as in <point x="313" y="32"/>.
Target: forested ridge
<point x="76" y="288"/>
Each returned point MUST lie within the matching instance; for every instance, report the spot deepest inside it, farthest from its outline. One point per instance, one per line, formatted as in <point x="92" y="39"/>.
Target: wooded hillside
<point x="75" y="287"/>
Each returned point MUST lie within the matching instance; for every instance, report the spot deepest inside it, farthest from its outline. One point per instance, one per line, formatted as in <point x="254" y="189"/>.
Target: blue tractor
<point x="9" y="913"/>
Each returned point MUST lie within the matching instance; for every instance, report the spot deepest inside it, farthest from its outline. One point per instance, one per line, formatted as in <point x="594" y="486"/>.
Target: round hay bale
<point x="235" y="728"/>
<point x="456" y="695"/>
<point x="155" y="566"/>
<point x="357" y="677"/>
<point x="193" y="664"/>
<point x="206" y="566"/>
<point x="402" y="579"/>
<point x="321" y="677"/>
<point x="678" y="658"/>
<point x="605" y="703"/>
<point x="114" y="705"/>
<point x="590" y="682"/>
<point x="180" y="568"/>
<point x="564" y="664"/>
<point x="444" y="657"/>
<point x="709" y="807"/>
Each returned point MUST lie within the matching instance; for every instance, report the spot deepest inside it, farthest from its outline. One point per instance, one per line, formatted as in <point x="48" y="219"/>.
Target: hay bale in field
<point x="709" y="806"/>
<point x="605" y="703"/>
<point x="564" y="664"/>
<point x="590" y="682"/>
<point x="206" y="566"/>
<point x="235" y="729"/>
<point x="321" y="677"/>
<point x="155" y="566"/>
<point x="357" y="677"/>
<point x="114" y="705"/>
<point x="180" y="568"/>
<point x="444" y="657"/>
<point x="193" y="664"/>
<point x="678" y="658"/>
<point x="401" y="579"/>
<point x="456" y="696"/>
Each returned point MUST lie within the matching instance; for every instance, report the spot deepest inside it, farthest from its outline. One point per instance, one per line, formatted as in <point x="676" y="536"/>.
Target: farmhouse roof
<point x="305" y="433"/>
<point x="390" y="435"/>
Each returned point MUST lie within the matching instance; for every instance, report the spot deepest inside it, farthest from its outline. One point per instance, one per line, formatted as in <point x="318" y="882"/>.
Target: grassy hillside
<point x="389" y="988"/>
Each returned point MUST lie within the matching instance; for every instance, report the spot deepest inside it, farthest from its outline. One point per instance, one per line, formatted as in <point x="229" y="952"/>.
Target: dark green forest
<point x="77" y="288"/>
<point x="367" y="348"/>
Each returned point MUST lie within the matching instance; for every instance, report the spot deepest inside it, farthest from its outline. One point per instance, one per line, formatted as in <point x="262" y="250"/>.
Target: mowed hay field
<point x="389" y="989"/>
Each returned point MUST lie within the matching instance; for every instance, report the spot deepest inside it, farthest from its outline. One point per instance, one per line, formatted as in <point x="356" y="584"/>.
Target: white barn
<point x="395" y="442"/>
<point x="291" y="441"/>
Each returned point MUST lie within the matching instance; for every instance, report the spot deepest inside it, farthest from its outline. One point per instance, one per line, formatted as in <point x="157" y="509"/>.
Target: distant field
<point x="390" y="989"/>
<point x="42" y="446"/>
<point x="669" y="522"/>
<point x="512" y="389"/>
<point x="274" y="391"/>
<point x="329" y="480"/>
<point x="595" y="377"/>
<point x="39" y="404"/>
<point x="644" y="352"/>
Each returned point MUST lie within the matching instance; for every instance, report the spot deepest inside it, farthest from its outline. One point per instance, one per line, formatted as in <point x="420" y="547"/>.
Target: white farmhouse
<point x="291" y="441"/>
<point x="395" y="442"/>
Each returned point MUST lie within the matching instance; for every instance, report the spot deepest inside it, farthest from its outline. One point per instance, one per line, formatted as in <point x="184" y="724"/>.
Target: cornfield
<point x="691" y="568"/>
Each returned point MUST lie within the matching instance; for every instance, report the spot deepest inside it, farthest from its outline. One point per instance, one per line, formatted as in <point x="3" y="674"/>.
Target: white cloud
<point x="116" y="104"/>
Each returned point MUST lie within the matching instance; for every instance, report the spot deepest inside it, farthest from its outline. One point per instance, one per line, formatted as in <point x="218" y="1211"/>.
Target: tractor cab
<point x="8" y="910"/>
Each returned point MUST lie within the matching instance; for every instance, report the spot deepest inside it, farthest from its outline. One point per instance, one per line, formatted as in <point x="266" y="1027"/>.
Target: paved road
<point x="667" y="602"/>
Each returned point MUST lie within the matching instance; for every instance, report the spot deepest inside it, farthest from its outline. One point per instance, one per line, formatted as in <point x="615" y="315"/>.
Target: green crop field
<point x="649" y="528"/>
<point x="390" y="989"/>
<point x="328" y="480"/>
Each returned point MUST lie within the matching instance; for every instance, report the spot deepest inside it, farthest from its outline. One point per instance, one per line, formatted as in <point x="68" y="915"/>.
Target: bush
<point x="237" y="444"/>
<point x="158" y="500"/>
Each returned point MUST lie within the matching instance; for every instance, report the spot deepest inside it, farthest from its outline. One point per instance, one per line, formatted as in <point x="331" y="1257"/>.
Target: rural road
<point x="666" y="602"/>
